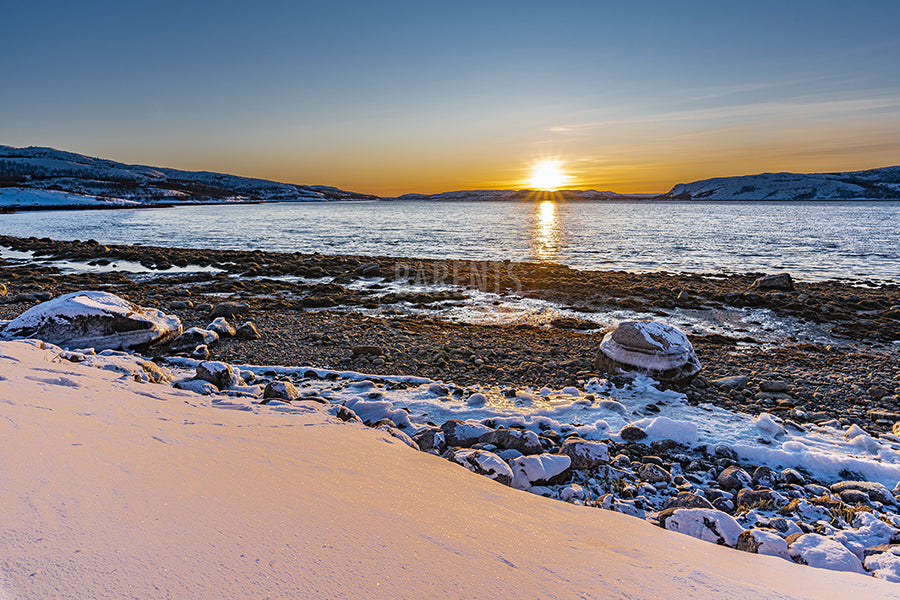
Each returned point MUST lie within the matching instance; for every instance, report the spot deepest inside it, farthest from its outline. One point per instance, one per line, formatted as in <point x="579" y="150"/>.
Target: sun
<point x="547" y="175"/>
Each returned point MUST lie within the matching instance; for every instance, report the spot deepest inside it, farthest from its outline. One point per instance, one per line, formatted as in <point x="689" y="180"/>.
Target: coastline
<point x="309" y="312"/>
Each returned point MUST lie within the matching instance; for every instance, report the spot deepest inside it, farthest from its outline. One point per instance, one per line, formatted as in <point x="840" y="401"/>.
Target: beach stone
<point x="724" y="504"/>
<point x="750" y="498"/>
<point x="181" y="304"/>
<point x="780" y="281"/>
<point x="632" y="433"/>
<point x="342" y="412"/>
<point x="222" y="375"/>
<point x="764" y="476"/>
<point x="438" y="390"/>
<point x="431" y="438"/>
<point x="703" y="523"/>
<point x="734" y="478"/>
<point x="94" y="319"/>
<point x="526" y="442"/>
<point x="773" y="386"/>
<point x="654" y="348"/>
<point x="854" y="497"/>
<point x="819" y="551"/>
<point x="735" y="382"/>
<point x="760" y="541"/>
<point x="652" y="473"/>
<point x="791" y="477"/>
<point x="484" y="463"/>
<point x="192" y="338"/>
<point x="366" y="350"/>
<point x="229" y="309"/>
<point x="247" y="331"/>
<point x="687" y="500"/>
<point x="201" y="352"/>
<point x="221" y="327"/>
<point x="585" y="454"/>
<point x="463" y="433"/>
<point x="874" y="490"/>
<point x="281" y="390"/>
<point x="539" y="470"/>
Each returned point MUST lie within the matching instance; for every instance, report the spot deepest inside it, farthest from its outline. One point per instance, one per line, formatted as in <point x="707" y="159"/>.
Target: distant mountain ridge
<point x="34" y="175"/>
<point x="874" y="184"/>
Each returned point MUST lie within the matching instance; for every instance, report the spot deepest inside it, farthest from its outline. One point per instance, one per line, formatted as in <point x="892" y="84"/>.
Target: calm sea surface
<point x="811" y="240"/>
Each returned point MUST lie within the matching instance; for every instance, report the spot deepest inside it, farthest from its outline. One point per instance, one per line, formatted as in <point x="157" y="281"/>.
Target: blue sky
<point x="395" y="97"/>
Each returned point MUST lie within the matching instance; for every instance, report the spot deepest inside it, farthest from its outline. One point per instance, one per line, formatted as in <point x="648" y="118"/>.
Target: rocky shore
<point x="348" y="314"/>
<point x="307" y="313"/>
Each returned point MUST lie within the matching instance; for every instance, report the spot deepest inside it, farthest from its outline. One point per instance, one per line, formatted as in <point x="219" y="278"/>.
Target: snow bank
<point x="116" y="489"/>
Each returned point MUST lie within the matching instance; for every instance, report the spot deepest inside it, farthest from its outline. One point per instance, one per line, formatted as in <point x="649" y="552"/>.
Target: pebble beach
<point x="820" y="355"/>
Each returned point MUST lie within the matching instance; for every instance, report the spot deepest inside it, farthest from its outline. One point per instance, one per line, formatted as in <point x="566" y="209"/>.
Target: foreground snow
<point x="118" y="489"/>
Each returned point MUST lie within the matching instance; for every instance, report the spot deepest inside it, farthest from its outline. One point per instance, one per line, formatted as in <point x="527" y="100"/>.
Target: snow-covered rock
<point x="585" y="454"/>
<point x="93" y="319"/>
<point x="222" y="375"/>
<point x="193" y="337"/>
<point x="760" y="541"/>
<point x="222" y="327"/>
<point x="885" y="565"/>
<point x="825" y="553"/>
<point x="651" y="347"/>
<point x="526" y="442"/>
<point x="463" y="433"/>
<point x="706" y="524"/>
<point x="484" y="463"/>
<point x="538" y="470"/>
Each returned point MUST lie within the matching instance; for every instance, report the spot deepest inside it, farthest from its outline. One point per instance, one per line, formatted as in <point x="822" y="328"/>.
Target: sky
<point x="396" y="97"/>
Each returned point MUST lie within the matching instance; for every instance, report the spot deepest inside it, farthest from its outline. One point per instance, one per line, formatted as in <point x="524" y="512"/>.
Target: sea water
<point x="811" y="240"/>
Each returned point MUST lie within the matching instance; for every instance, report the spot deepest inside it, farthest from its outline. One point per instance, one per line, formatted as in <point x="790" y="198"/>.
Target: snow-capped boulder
<point x="585" y="454"/>
<point x="819" y="551"/>
<point x="484" y="463"/>
<point x="734" y="478"/>
<point x="463" y="433"/>
<point x="874" y="490"/>
<point x="91" y="319"/>
<point x="222" y="375"/>
<point x="247" y="331"/>
<point x="538" y="470"/>
<point x="281" y="390"/>
<point x="222" y="327"/>
<point x="760" y="541"/>
<point x="885" y="564"/>
<point x="711" y="525"/>
<point x="430" y="438"/>
<point x="193" y="337"/>
<point x="526" y="442"/>
<point x="650" y="347"/>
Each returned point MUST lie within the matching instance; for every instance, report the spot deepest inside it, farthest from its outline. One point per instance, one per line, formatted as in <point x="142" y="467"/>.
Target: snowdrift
<point x="119" y="489"/>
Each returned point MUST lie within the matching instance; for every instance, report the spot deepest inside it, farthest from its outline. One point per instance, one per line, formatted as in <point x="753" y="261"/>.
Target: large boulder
<point x="651" y="347"/>
<point x="91" y="319"/>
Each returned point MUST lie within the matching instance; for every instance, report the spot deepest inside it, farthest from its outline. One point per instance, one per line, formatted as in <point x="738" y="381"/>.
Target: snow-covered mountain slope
<point x="34" y="176"/>
<point x="873" y="184"/>
<point x="119" y="489"/>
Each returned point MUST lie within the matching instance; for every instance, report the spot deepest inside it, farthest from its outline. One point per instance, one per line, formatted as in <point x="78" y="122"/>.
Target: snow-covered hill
<point x="31" y="177"/>
<point x="873" y="184"/>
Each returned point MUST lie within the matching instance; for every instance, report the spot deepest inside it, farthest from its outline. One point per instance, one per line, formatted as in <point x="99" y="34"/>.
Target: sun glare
<point x="547" y="175"/>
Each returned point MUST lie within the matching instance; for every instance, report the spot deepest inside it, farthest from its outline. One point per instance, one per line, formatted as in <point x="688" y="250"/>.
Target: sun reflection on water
<point x="546" y="235"/>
